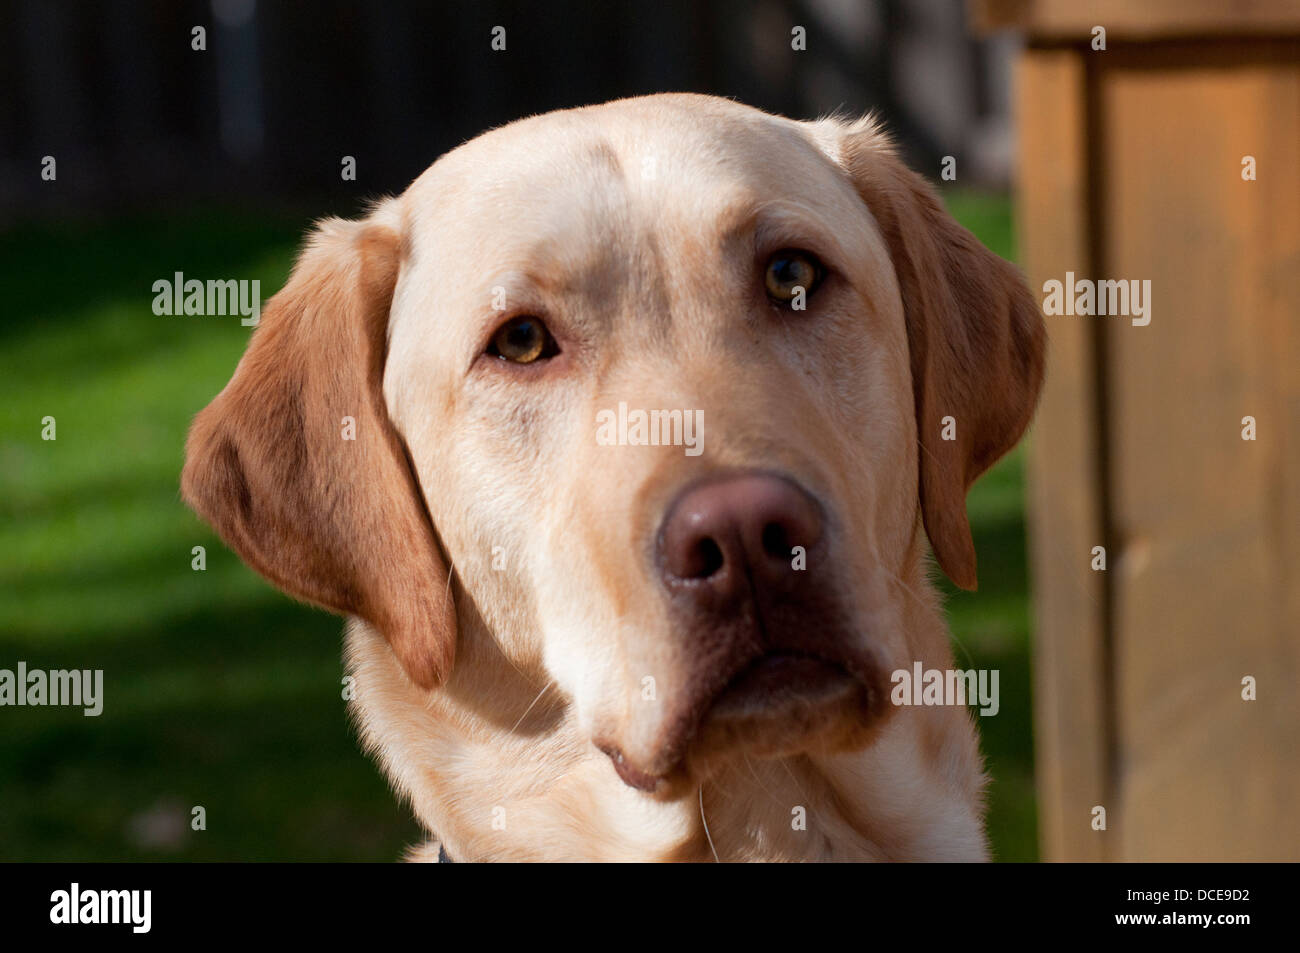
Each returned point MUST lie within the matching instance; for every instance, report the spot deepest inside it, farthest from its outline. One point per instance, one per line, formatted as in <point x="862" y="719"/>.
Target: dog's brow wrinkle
<point x="603" y="154"/>
<point x="736" y="221"/>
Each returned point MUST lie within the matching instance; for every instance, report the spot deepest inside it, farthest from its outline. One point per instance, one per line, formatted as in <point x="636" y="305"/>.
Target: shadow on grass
<point x="63" y="268"/>
<point x="234" y="709"/>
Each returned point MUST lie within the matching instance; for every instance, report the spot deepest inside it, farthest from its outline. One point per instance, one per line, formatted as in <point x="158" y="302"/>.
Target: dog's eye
<point x="523" y="340"/>
<point x="789" y="271"/>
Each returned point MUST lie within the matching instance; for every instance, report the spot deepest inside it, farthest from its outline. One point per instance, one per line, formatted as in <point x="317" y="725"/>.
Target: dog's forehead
<point x="589" y="175"/>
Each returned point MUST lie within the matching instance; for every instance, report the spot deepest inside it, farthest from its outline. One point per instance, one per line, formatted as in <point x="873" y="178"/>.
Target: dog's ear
<point x="298" y="467"/>
<point x="975" y="335"/>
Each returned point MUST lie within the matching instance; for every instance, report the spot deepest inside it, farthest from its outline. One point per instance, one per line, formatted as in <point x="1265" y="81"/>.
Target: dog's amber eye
<point x="522" y="340"/>
<point x="789" y="271"/>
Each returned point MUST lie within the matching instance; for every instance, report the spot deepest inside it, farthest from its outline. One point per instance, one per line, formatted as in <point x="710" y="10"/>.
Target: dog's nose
<point x="723" y="536"/>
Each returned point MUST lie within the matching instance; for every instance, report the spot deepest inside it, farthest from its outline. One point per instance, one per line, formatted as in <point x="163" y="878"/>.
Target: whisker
<point x="535" y="701"/>
<point x="902" y="584"/>
<point x="707" y="835"/>
<point x="759" y="781"/>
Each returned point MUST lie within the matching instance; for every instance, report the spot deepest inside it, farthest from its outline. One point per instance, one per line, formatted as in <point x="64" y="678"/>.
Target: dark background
<point x="116" y="93"/>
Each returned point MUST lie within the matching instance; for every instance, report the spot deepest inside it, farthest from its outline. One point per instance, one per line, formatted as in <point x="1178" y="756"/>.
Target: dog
<point x="569" y="648"/>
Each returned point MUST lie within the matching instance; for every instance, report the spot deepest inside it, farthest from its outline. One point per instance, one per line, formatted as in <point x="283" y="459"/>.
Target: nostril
<point x="729" y="534"/>
<point x="776" y="541"/>
<point x="708" y="558"/>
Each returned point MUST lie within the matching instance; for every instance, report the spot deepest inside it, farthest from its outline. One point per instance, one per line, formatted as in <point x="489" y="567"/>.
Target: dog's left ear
<point x="974" y="331"/>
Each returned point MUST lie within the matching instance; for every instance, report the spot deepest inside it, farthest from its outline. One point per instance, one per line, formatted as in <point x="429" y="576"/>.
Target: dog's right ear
<point x="298" y="467"/>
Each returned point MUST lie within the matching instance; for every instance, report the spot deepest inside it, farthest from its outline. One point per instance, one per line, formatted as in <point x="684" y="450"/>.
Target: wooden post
<point x="1133" y="164"/>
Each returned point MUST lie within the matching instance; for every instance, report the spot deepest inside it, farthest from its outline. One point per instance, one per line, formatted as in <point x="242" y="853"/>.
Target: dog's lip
<point x="776" y="680"/>
<point x="779" y="687"/>
<point x="629" y="773"/>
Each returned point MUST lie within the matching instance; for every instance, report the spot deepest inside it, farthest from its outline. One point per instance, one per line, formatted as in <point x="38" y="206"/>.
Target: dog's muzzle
<point x="771" y="662"/>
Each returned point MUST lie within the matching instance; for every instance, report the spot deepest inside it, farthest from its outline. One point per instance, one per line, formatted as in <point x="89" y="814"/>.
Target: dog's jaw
<point x="489" y="795"/>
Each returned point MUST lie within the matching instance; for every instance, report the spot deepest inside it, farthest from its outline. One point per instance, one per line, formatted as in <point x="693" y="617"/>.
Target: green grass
<point x="219" y="691"/>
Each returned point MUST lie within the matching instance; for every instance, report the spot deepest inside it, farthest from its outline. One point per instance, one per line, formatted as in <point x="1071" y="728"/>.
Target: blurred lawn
<point x="219" y="691"/>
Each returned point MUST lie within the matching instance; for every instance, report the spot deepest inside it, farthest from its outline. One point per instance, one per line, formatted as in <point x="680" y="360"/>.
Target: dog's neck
<point x="536" y="788"/>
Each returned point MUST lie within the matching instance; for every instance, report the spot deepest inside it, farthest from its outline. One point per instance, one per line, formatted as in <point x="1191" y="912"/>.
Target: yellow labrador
<point x="618" y="436"/>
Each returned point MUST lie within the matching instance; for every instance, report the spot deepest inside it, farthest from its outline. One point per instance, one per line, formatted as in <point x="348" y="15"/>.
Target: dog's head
<point x="668" y="386"/>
